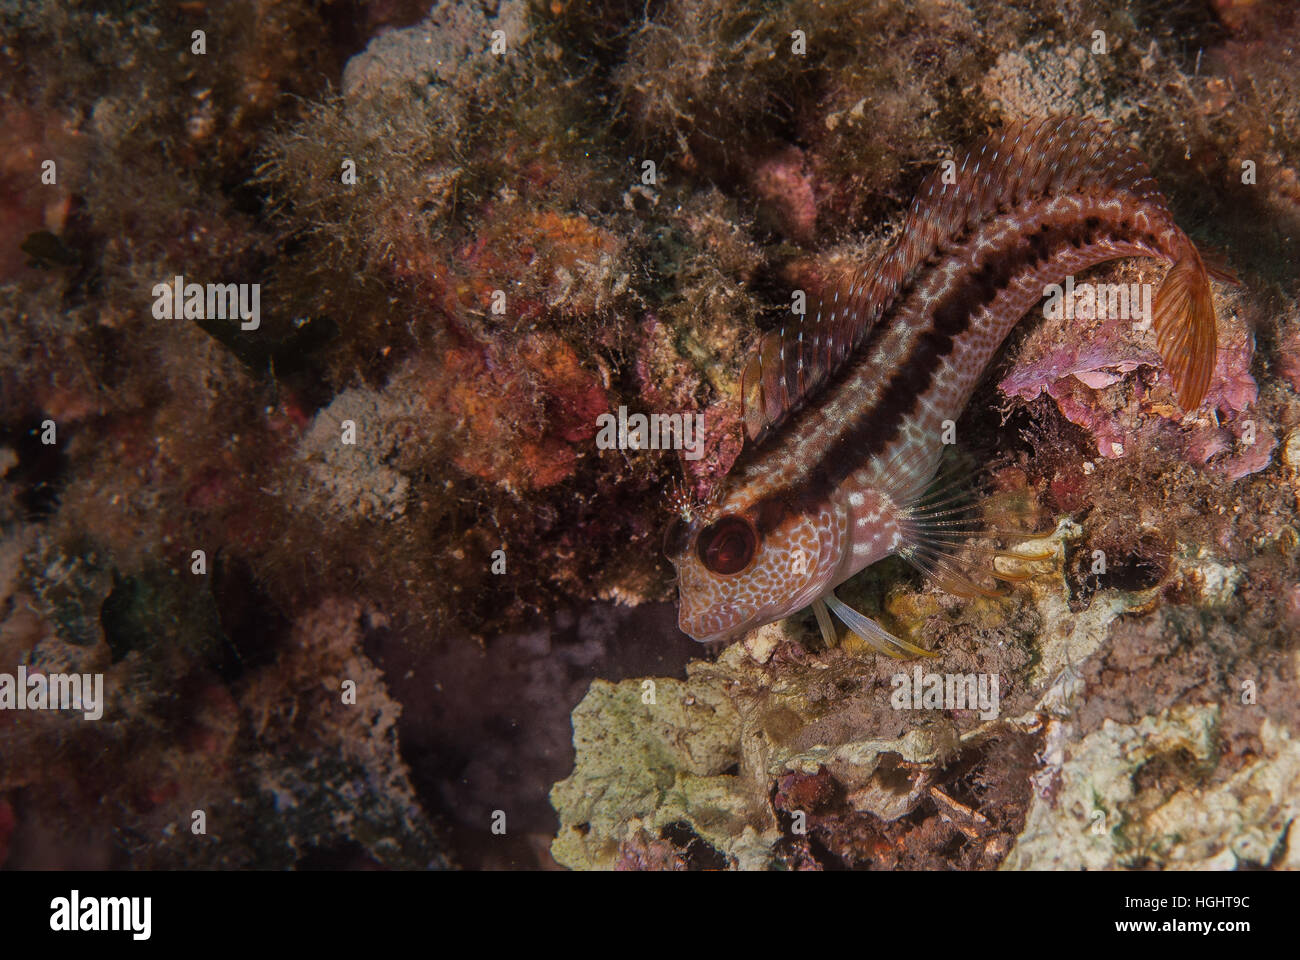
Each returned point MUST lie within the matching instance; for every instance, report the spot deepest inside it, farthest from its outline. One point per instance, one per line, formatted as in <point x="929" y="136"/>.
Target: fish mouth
<point x="721" y="637"/>
<point x="693" y="630"/>
<point x="690" y="625"/>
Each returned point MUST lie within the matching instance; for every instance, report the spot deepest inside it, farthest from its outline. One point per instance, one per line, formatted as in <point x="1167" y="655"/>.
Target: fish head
<point x="742" y="562"/>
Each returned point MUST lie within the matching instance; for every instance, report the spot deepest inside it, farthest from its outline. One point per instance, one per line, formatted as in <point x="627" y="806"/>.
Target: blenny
<point x="844" y="410"/>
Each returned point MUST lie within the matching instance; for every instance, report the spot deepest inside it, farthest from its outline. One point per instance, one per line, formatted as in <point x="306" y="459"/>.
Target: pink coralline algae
<point x="786" y="187"/>
<point x="675" y="394"/>
<point x="1077" y="373"/>
<point x="495" y="396"/>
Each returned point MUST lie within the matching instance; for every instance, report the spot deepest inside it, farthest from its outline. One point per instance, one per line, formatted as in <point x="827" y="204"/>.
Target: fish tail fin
<point x="1184" y="321"/>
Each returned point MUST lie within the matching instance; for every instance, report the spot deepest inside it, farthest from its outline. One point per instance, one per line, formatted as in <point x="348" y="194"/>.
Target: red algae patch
<point x="524" y="418"/>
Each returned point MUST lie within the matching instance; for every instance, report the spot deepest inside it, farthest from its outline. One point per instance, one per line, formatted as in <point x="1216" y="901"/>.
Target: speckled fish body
<point x="844" y="413"/>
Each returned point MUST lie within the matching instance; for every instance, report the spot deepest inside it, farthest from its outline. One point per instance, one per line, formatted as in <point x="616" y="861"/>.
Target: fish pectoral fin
<point x="941" y="528"/>
<point x="872" y="632"/>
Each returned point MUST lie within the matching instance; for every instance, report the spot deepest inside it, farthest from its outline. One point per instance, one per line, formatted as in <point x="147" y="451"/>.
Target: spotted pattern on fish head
<point x="743" y="562"/>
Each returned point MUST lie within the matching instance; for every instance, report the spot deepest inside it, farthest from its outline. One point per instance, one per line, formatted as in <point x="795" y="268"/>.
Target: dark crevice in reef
<point x="487" y="729"/>
<point x="42" y="468"/>
<point x="697" y="853"/>
<point x="252" y="622"/>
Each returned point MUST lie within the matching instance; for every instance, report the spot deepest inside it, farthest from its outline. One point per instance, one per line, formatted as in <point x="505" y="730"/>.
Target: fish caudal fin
<point x="1183" y="316"/>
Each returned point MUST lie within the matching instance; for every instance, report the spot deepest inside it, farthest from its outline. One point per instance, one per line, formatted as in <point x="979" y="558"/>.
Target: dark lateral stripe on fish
<point x="843" y="408"/>
<point x="877" y="426"/>
<point x="943" y="231"/>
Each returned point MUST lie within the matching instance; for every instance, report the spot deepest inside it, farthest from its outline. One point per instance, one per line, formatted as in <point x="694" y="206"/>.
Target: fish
<point x="844" y="408"/>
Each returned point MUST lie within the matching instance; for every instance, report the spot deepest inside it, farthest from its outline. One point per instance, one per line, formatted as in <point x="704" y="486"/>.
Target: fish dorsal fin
<point x="790" y="365"/>
<point x="1024" y="161"/>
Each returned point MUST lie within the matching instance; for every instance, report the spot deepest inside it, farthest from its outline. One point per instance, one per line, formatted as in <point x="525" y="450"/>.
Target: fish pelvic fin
<point x="825" y="623"/>
<point x="872" y="632"/>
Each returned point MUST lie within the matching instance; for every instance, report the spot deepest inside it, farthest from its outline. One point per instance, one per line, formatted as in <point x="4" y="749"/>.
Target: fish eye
<point x="727" y="546"/>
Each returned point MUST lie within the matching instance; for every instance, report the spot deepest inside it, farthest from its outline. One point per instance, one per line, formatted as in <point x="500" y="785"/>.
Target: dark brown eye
<point x="726" y="546"/>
